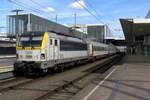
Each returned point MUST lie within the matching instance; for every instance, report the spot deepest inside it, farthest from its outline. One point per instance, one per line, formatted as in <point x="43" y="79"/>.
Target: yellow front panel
<point x="43" y="46"/>
<point x="33" y="53"/>
<point x="45" y="40"/>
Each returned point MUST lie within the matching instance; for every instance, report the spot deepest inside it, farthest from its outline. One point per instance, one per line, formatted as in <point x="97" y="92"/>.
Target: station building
<point x="31" y="22"/>
<point x="137" y="35"/>
<point x="96" y="32"/>
<point x="148" y="14"/>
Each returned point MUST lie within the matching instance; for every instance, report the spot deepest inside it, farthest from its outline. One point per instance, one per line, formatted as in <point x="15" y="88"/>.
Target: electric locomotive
<point x="39" y="51"/>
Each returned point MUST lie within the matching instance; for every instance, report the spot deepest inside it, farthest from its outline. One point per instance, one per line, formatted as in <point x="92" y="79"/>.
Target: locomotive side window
<point x="72" y="46"/>
<point x="56" y="43"/>
<point x="51" y="42"/>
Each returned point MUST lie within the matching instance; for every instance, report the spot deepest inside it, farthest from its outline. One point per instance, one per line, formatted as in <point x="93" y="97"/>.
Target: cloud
<point x="78" y="5"/>
<point x="49" y="10"/>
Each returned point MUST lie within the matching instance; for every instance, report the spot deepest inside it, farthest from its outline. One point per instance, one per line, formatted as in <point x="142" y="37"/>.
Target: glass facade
<point x="22" y="23"/>
<point x="96" y="32"/>
<point x="147" y="40"/>
<point x="141" y="46"/>
<point x="147" y="45"/>
<point x="30" y="23"/>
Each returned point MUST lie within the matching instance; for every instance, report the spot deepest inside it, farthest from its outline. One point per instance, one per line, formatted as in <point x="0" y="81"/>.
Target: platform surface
<point x="127" y="81"/>
<point x="6" y="63"/>
<point x="4" y="69"/>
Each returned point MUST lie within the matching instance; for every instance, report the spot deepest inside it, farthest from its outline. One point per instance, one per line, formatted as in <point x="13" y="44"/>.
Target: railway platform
<point x="129" y="80"/>
<point x="4" y="69"/>
<point x="6" y="63"/>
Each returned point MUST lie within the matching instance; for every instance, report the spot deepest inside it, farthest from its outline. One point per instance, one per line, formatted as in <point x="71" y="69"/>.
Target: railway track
<point x="69" y="84"/>
<point x="18" y="82"/>
<point x="4" y="76"/>
<point x="7" y="61"/>
<point x="8" y="80"/>
<point x="72" y="87"/>
<point x="13" y="83"/>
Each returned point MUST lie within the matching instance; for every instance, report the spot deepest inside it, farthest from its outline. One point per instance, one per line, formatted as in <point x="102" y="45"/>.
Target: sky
<point x="106" y="11"/>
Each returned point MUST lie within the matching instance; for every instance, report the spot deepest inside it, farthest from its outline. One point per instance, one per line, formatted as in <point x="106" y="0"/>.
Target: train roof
<point x="66" y="38"/>
<point x="97" y="43"/>
<point x="54" y="34"/>
<point x="35" y="33"/>
<point x="64" y="34"/>
<point x="41" y="33"/>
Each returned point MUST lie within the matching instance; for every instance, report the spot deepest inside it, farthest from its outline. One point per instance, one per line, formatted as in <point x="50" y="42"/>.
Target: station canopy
<point x="135" y="27"/>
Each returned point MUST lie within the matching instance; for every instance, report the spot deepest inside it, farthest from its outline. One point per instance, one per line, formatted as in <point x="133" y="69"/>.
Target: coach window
<point x="56" y="43"/>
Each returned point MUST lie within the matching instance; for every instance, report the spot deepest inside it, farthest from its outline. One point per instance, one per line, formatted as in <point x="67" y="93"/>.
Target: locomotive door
<point x="54" y="49"/>
<point x="51" y="49"/>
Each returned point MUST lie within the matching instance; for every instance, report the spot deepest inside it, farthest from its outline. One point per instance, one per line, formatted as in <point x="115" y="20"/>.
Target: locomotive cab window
<point x="28" y="41"/>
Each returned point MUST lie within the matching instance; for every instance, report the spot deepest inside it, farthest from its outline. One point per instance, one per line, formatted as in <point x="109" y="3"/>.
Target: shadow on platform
<point x="136" y="59"/>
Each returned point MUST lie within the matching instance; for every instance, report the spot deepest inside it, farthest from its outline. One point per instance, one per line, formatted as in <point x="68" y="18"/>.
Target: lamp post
<point x="17" y="23"/>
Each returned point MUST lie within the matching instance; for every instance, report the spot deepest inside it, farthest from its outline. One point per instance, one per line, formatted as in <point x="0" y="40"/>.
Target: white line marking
<point x="100" y="83"/>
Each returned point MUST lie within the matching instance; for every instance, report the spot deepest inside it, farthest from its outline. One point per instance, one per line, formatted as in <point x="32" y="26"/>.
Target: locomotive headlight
<point x="42" y="56"/>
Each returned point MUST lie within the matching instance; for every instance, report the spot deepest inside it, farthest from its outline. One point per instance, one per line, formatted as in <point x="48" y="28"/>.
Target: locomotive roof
<point x="64" y="34"/>
<point x="38" y="33"/>
<point x="97" y="43"/>
<point x="41" y="33"/>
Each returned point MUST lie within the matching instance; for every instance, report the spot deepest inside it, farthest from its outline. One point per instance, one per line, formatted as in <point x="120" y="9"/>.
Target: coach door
<point x="90" y="49"/>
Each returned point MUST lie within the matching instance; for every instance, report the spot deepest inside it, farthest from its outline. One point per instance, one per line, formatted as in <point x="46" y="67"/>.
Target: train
<point x="41" y="52"/>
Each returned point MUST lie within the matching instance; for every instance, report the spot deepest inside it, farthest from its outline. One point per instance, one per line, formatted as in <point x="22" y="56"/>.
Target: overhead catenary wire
<point x="111" y="29"/>
<point x="97" y="14"/>
<point x="91" y="6"/>
<point x="80" y="5"/>
<point x="42" y="6"/>
<point x="89" y="12"/>
<point x="23" y="5"/>
<point x="34" y="9"/>
<point x="42" y="12"/>
<point x="29" y="8"/>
